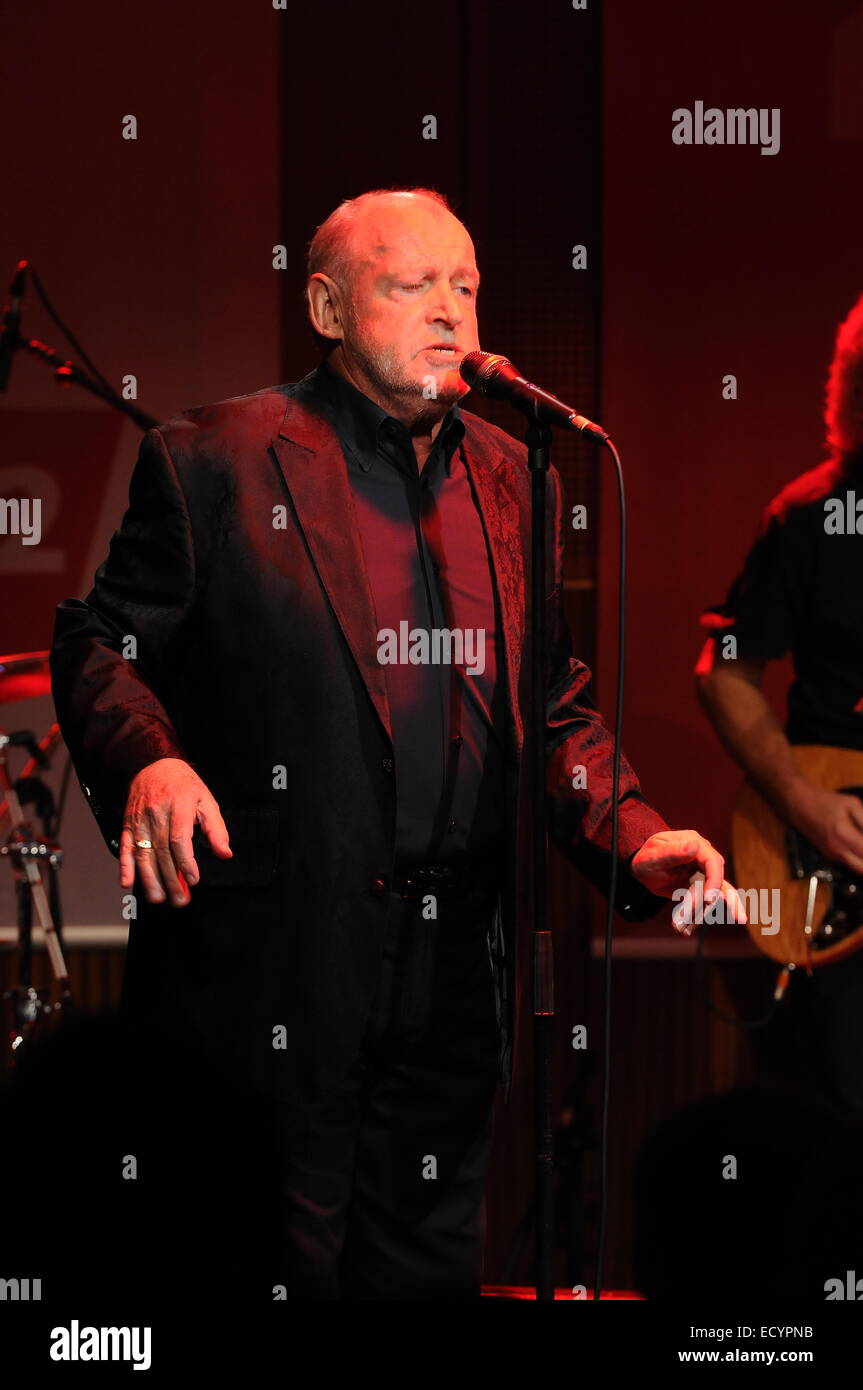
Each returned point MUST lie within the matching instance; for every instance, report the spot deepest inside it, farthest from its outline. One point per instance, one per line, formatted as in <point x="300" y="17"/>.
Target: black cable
<point x="612" y="887"/>
<point x="612" y="893"/>
<point x="701" y="979"/>
<point x="67" y="332"/>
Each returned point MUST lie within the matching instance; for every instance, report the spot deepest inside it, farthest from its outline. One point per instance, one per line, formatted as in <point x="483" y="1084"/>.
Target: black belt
<point x="446" y="880"/>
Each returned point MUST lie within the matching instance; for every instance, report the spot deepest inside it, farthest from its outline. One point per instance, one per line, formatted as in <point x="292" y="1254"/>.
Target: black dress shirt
<point x="428" y="567"/>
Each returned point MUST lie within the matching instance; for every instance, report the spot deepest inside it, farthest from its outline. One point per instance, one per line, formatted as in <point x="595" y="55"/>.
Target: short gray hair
<point x="329" y="251"/>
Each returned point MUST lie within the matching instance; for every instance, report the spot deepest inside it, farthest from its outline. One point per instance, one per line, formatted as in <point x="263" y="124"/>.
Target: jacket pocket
<point x="253" y="834"/>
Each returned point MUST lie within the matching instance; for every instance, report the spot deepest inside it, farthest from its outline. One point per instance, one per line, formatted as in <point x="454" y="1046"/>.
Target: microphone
<point x="493" y="375"/>
<point x="11" y="323"/>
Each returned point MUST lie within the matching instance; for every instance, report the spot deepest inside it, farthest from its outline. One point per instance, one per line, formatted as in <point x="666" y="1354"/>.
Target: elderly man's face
<point x="412" y="304"/>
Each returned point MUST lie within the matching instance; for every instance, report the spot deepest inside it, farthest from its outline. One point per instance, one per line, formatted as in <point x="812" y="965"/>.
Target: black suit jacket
<point x="238" y="575"/>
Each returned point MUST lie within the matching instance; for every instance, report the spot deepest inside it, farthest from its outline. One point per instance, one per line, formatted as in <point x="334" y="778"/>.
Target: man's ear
<point x="326" y="311"/>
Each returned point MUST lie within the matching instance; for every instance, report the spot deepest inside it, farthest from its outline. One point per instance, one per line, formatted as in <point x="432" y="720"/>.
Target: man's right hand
<point x="831" y="821"/>
<point x="166" y="800"/>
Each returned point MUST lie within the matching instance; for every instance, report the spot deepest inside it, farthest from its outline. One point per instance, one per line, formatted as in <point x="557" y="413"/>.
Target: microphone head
<point x="478" y="369"/>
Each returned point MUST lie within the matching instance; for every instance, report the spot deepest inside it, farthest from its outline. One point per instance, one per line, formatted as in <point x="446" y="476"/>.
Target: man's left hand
<point x="667" y="861"/>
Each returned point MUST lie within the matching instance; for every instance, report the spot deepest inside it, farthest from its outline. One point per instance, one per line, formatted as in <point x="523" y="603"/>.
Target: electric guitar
<point x="819" y="904"/>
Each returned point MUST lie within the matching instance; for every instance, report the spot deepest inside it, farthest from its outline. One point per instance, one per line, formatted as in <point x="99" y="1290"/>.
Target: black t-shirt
<point x="801" y="591"/>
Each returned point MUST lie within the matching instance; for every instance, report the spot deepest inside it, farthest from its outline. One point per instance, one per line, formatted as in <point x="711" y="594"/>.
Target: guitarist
<point x="801" y="591"/>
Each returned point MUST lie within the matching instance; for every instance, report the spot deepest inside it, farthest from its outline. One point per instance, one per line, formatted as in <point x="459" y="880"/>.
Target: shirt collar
<point x="368" y="429"/>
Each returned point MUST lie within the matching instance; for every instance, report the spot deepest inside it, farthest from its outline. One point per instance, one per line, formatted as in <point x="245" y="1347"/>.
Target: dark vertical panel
<point x="356" y="85"/>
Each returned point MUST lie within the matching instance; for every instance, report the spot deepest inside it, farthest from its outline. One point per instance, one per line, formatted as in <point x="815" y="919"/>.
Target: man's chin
<point x="448" y="386"/>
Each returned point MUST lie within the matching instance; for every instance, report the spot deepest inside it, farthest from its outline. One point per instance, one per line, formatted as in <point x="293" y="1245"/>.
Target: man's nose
<point x="446" y="307"/>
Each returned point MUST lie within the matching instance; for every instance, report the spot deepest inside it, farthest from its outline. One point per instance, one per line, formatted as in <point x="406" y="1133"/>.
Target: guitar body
<point x="767" y="855"/>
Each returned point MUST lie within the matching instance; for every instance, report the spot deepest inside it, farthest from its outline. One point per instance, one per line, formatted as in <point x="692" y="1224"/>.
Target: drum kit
<point x="34" y="855"/>
<point x="35" y="858"/>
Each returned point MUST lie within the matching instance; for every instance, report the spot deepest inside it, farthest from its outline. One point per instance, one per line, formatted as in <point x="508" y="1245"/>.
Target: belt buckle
<point x="430" y="878"/>
<point x="442" y="878"/>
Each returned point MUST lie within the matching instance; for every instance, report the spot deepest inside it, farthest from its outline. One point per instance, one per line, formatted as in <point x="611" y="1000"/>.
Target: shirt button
<point x="387" y="764"/>
<point x="458" y="740"/>
<point x="377" y="887"/>
<point x="451" y="826"/>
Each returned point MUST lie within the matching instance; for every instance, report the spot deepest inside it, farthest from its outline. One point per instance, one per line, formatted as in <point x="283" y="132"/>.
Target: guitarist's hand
<point x="667" y="863"/>
<point x="831" y="821"/>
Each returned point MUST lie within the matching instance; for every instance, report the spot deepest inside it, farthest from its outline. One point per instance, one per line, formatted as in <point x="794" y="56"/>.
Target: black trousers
<point x="383" y="1181"/>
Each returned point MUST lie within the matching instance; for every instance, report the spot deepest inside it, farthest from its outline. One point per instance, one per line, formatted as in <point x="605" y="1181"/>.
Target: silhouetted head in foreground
<point x="751" y="1194"/>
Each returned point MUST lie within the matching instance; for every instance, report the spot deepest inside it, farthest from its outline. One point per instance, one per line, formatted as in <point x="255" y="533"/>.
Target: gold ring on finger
<point x="144" y="844"/>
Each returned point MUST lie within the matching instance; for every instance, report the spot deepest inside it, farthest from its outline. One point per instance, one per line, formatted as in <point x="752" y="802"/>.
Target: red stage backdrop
<point x="57" y="463"/>
<point x="719" y="261"/>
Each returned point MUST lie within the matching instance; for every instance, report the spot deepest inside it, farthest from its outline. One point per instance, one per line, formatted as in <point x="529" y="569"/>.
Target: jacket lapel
<point x="313" y="467"/>
<point x="499" y="509"/>
<point x="312" y="464"/>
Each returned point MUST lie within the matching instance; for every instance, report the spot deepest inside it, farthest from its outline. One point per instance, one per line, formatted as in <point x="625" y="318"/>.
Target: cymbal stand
<point x="30" y="855"/>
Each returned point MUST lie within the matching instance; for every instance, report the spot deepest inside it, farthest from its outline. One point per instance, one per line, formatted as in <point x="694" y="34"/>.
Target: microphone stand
<point x="31" y="855"/>
<point x="538" y="441"/>
<point x="67" y="372"/>
<point x="494" y="375"/>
